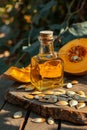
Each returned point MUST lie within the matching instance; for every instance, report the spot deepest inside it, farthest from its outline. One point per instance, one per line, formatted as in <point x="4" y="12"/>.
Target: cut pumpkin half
<point x="74" y="55"/>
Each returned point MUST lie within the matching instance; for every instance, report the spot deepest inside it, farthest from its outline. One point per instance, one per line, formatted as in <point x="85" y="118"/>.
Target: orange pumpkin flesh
<point x="74" y="55"/>
<point x="18" y="74"/>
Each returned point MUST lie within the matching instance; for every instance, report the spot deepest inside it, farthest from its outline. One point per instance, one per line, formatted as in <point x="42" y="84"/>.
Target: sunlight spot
<point x="9" y="42"/>
<point x="2" y="35"/>
<point x="6" y="53"/>
<point x="1" y="55"/>
<point x="9" y="7"/>
<point x="27" y="18"/>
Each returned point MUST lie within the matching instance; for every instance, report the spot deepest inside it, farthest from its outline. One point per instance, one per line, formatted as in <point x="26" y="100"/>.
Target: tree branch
<point x="70" y="14"/>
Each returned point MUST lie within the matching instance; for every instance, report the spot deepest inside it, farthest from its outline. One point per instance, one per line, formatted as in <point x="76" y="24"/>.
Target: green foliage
<point x="3" y="66"/>
<point x="22" y="20"/>
<point x="79" y="29"/>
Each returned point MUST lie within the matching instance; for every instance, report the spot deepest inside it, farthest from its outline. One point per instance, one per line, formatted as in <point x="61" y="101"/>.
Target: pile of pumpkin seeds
<point x="59" y="96"/>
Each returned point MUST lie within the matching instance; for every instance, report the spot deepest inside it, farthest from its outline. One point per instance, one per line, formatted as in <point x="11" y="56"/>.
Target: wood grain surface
<point x="7" y="110"/>
<point x="39" y="126"/>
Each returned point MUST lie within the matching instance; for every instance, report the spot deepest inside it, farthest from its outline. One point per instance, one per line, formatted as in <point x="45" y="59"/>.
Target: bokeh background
<point x="22" y="20"/>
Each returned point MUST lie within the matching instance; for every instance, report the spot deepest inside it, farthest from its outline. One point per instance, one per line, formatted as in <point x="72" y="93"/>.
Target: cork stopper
<point x="46" y="35"/>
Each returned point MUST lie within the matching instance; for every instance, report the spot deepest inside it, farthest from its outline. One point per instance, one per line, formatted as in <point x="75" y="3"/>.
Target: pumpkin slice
<point x="74" y="55"/>
<point x="18" y="74"/>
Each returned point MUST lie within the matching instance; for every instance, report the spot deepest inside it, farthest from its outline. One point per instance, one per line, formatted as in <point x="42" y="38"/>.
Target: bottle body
<point x="46" y="68"/>
<point x="46" y="73"/>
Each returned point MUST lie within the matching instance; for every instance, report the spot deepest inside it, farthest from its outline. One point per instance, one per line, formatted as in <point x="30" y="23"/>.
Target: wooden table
<point x="7" y="122"/>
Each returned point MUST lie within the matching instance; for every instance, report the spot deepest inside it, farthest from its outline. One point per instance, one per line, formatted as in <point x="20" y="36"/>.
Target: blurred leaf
<point x="33" y="49"/>
<point x="66" y="38"/>
<point x="47" y="6"/>
<point x="5" y="29"/>
<point x="3" y="66"/>
<point x="67" y="34"/>
<point x="44" y="11"/>
<point x="79" y="29"/>
<point x="64" y="28"/>
<point x="33" y="34"/>
<point x="55" y="27"/>
<point x="17" y="46"/>
<point x="10" y="33"/>
<point x="22" y="60"/>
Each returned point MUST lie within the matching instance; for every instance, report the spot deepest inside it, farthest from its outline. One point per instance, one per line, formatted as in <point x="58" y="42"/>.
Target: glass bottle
<point x="46" y="67"/>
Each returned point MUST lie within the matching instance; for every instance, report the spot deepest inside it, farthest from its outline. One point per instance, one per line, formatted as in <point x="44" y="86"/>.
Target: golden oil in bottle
<point x="46" y="67"/>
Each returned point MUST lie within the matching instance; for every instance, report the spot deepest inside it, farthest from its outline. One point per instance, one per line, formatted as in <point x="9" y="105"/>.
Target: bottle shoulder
<point x="40" y="58"/>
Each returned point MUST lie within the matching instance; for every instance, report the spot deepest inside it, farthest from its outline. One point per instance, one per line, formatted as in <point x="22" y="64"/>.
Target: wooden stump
<point x="67" y="113"/>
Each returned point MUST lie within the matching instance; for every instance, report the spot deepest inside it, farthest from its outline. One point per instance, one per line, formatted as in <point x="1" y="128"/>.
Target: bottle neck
<point x="46" y="47"/>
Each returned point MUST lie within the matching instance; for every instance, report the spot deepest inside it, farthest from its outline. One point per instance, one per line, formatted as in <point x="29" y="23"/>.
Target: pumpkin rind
<point x="74" y="55"/>
<point x="18" y="74"/>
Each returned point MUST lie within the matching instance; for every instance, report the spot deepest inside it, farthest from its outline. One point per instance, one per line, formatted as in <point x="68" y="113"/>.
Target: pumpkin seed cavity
<point x="76" y="53"/>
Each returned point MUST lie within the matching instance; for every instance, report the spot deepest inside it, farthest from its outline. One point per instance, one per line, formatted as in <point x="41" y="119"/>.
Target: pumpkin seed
<point x="80" y="92"/>
<point x="73" y="103"/>
<point x="21" y="86"/>
<point x="57" y="93"/>
<point x="28" y="96"/>
<point x="74" y="82"/>
<point x="81" y="105"/>
<point x="74" y="58"/>
<point x="48" y="92"/>
<point x="29" y="87"/>
<point x="70" y="93"/>
<point x="50" y="121"/>
<point x="41" y="95"/>
<point x="17" y="114"/>
<point x="79" y="98"/>
<point x="36" y="97"/>
<point x="62" y="98"/>
<point x="36" y="92"/>
<point x="48" y="100"/>
<point x="69" y="85"/>
<point x="61" y="103"/>
<point x="38" y="120"/>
